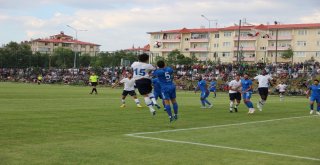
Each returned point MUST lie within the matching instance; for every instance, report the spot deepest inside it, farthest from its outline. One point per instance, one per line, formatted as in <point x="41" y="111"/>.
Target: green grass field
<point x="52" y="124"/>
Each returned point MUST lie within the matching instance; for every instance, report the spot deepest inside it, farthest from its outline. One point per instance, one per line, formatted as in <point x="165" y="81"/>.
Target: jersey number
<point x="140" y="72"/>
<point x="167" y="75"/>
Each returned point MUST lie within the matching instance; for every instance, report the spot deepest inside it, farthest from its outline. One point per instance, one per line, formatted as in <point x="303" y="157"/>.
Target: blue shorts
<point x="247" y="96"/>
<point x="168" y="92"/>
<point x="157" y="95"/>
<point x="204" y="94"/>
<point x="315" y="98"/>
<point x="212" y="89"/>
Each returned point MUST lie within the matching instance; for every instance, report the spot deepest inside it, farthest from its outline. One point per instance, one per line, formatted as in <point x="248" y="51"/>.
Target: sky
<point x="121" y="24"/>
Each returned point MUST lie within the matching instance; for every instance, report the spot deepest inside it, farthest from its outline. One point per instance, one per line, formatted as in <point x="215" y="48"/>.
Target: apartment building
<point x="47" y="45"/>
<point x="253" y="44"/>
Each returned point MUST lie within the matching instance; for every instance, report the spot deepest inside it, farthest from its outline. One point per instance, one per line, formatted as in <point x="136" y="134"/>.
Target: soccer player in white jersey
<point x="263" y="88"/>
<point x="129" y="84"/>
<point x="141" y="75"/>
<point x="235" y="93"/>
<point x="282" y="89"/>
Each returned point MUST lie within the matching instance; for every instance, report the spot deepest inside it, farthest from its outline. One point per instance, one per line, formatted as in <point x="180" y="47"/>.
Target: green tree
<point x="85" y="60"/>
<point x="287" y="54"/>
<point x="63" y="57"/>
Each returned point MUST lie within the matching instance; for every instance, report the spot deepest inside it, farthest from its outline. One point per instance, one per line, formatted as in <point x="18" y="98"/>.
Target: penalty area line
<point x="139" y="135"/>
<point x="218" y="126"/>
<point x="226" y="147"/>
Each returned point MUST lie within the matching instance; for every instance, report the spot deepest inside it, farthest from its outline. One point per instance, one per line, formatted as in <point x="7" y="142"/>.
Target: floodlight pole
<point x="75" y="50"/>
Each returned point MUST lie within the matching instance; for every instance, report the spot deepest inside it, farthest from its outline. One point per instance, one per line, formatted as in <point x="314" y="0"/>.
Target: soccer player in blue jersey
<point x="213" y="86"/>
<point x="157" y="91"/>
<point x="202" y="85"/>
<point x="315" y="96"/>
<point x="168" y="89"/>
<point x="246" y="84"/>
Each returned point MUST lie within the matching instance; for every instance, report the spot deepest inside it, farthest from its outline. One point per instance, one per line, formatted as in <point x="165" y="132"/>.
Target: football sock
<point x="149" y="103"/>
<point x="311" y="106"/>
<point x="206" y="101"/>
<point x="123" y="101"/>
<point x="175" y="108"/>
<point x="203" y="103"/>
<point x="318" y="108"/>
<point x="236" y="106"/>
<point x="231" y="104"/>
<point x="137" y="101"/>
<point x="249" y="104"/>
<point x="168" y="109"/>
<point x="163" y="103"/>
<point x="151" y="95"/>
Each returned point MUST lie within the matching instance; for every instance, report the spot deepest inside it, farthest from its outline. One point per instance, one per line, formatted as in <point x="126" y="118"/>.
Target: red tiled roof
<point x="145" y="48"/>
<point x="231" y="28"/>
<point x="185" y="30"/>
<point x="295" y="26"/>
<point x="66" y="41"/>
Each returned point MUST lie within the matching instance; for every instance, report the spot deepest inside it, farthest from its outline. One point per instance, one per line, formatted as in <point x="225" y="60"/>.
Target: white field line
<point x="139" y="135"/>
<point x="218" y="126"/>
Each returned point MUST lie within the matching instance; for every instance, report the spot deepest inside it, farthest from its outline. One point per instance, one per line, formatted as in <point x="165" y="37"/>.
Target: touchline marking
<point x="217" y="126"/>
<point x="139" y="135"/>
<point x="225" y="147"/>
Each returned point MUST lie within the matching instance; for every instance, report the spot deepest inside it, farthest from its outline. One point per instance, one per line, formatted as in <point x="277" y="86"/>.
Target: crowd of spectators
<point x="297" y="75"/>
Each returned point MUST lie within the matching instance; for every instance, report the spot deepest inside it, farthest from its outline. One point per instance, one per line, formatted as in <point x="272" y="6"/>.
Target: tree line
<point x="20" y="55"/>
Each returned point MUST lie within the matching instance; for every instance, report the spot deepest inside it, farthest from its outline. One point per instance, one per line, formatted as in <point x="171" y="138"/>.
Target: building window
<point x="91" y="47"/>
<point x="227" y="34"/>
<point x="299" y="54"/>
<point x="317" y="54"/>
<point x="318" y="43"/>
<point x="302" y="32"/>
<point x="215" y="45"/>
<point x="199" y="36"/>
<point x="226" y="44"/>
<point x="225" y="54"/>
<point x="156" y="36"/>
<point x="318" y="32"/>
<point x="83" y="46"/>
<point x="65" y="45"/>
<point x="216" y="35"/>
<point x="301" y="43"/>
<point x="56" y="44"/>
<point x="262" y="48"/>
<point x="46" y="43"/>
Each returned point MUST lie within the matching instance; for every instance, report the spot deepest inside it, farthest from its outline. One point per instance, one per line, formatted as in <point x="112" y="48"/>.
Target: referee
<point x="94" y="82"/>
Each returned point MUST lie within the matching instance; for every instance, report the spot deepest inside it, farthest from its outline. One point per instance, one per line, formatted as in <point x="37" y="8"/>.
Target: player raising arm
<point x="129" y="83"/>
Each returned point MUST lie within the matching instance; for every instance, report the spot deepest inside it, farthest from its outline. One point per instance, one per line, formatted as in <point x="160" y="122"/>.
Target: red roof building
<point x="47" y="45"/>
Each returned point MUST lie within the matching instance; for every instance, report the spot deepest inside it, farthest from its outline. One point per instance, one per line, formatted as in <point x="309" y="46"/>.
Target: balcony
<point x="273" y="48"/>
<point x="280" y="38"/>
<point x="168" y="49"/>
<point x="247" y="59"/>
<point x="199" y="40"/>
<point x="199" y="49"/>
<point x="245" y="38"/>
<point x="249" y="48"/>
<point x="175" y="40"/>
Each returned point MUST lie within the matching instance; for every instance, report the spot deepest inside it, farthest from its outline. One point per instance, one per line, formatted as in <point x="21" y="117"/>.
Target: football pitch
<point x="53" y="124"/>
